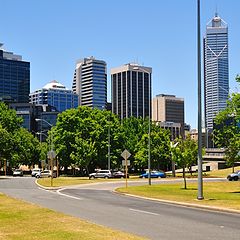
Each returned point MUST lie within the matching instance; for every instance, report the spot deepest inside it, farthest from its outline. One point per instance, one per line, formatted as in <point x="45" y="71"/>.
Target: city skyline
<point x="60" y="32"/>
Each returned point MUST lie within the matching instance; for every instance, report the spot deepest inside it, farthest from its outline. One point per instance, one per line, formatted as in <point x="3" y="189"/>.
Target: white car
<point x="35" y="171"/>
<point x="43" y="174"/>
<point x="101" y="174"/>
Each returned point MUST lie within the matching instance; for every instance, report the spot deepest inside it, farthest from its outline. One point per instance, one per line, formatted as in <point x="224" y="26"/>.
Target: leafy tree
<point x="185" y="155"/>
<point x="227" y="131"/>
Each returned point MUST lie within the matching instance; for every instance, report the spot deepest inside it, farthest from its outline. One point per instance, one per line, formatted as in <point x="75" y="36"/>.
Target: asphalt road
<point x="151" y="219"/>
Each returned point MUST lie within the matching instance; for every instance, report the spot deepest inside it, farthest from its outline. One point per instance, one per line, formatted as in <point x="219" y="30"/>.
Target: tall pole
<point x="149" y="134"/>
<point x="200" y="180"/>
<point x="109" y="165"/>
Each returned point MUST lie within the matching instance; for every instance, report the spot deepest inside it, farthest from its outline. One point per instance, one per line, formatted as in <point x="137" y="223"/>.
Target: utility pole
<point x="200" y="180"/>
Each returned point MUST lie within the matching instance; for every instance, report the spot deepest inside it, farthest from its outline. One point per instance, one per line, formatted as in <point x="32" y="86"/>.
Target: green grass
<point x="217" y="194"/>
<point x="66" y="181"/>
<point x="19" y="220"/>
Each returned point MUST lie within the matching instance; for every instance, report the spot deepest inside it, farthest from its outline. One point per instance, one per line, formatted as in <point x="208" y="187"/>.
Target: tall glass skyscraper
<point x="90" y="83"/>
<point x="216" y="75"/>
<point x="131" y="90"/>
<point x="14" y="77"/>
<point x="55" y="95"/>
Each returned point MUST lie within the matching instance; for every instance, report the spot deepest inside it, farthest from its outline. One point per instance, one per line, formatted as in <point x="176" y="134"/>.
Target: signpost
<point x="126" y="154"/>
<point x="51" y="155"/>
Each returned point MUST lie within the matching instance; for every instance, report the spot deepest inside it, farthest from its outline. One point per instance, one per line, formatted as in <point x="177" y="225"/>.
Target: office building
<point x="131" y="90"/>
<point x="216" y="76"/>
<point x="56" y="95"/>
<point x="14" y="77"/>
<point x="168" y="109"/>
<point x="30" y="112"/>
<point x="90" y="83"/>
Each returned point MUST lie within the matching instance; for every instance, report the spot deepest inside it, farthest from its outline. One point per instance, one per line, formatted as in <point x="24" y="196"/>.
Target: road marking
<point x="141" y="211"/>
<point x="66" y="195"/>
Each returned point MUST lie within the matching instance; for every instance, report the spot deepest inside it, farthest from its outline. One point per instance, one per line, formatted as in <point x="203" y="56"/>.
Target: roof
<point x="55" y="85"/>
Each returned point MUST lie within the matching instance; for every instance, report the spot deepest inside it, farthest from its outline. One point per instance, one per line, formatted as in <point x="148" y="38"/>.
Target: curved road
<point x="152" y="219"/>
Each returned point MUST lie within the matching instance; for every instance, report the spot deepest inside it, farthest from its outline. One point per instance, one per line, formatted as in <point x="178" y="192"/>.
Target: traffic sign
<point x="124" y="162"/>
<point x="126" y="154"/>
<point x="51" y="154"/>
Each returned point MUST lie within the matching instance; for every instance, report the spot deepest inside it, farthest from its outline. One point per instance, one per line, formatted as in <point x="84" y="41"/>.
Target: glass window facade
<point x="14" y="80"/>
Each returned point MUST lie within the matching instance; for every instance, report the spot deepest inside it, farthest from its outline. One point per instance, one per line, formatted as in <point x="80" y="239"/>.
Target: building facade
<point x="131" y="90"/>
<point x="216" y="70"/>
<point x="30" y="112"/>
<point x="90" y="83"/>
<point x="55" y="95"/>
<point x="168" y="109"/>
<point x="14" y="77"/>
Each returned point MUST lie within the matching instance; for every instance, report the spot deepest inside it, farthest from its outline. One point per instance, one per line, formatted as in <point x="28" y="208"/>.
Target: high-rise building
<point x="216" y="76"/>
<point x="168" y="109"/>
<point x="56" y="95"/>
<point x="90" y="83"/>
<point x="131" y="90"/>
<point x="14" y="77"/>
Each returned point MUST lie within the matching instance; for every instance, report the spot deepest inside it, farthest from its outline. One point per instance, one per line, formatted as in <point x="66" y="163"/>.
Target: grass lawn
<point x="20" y="220"/>
<point x="66" y="181"/>
<point x="218" y="194"/>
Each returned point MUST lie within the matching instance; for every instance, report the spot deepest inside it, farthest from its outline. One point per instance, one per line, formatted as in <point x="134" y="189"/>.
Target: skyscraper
<point x="131" y="90"/>
<point x="90" y="83"/>
<point x="168" y="109"/>
<point x="14" y="77"/>
<point x="55" y="95"/>
<point x="216" y="76"/>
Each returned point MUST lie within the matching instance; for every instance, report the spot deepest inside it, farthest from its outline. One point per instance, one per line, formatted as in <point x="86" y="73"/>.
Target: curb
<point x="183" y="204"/>
<point x="47" y="188"/>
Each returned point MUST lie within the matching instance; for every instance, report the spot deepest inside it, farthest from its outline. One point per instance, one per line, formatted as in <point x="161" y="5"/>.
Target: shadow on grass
<point x="236" y="192"/>
<point x="189" y="189"/>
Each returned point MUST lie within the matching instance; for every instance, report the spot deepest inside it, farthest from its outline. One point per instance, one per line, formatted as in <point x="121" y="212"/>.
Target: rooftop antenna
<point x="216" y="12"/>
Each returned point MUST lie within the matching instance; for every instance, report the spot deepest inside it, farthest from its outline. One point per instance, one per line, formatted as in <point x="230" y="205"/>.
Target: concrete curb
<point x="47" y="188"/>
<point x="183" y="204"/>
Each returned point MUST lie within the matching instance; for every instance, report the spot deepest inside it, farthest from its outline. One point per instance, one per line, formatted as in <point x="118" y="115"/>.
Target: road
<point x="155" y="220"/>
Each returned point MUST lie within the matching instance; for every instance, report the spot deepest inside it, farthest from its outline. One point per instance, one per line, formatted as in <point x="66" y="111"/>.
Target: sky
<point x="162" y="34"/>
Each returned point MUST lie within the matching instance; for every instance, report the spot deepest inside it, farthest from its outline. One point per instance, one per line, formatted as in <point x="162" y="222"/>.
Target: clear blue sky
<point x="53" y="34"/>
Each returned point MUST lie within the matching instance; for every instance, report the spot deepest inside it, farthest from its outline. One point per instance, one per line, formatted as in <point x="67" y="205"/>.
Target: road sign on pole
<point x="126" y="154"/>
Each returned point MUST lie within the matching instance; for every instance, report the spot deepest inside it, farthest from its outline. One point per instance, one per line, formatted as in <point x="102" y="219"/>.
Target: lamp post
<point x="200" y="180"/>
<point x="109" y="160"/>
<point x="149" y="123"/>
<point x="51" y="153"/>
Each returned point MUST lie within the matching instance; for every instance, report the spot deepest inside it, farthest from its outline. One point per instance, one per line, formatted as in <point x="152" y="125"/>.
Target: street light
<point x="200" y="180"/>
<point x="149" y="124"/>
<point x="51" y="153"/>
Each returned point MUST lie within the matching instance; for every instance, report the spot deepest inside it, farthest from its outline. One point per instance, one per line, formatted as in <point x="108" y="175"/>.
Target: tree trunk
<point x="233" y="170"/>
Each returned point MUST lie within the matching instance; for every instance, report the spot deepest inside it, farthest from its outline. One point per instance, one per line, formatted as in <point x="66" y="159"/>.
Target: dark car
<point x="154" y="174"/>
<point x="17" y="173"/>
<point x="119" y="174"/>
<point x="234" y="176"/>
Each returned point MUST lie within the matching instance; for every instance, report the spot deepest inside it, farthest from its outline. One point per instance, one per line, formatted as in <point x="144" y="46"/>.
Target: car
<point x="35" y="171"/>
<point x="119" y="174"/>
<point x="234" y="176"/>
<point x="154" y="174"/>
<point x="43" y="174"/>
<point x="101" y="174"/>
<point x="17" y="172"/>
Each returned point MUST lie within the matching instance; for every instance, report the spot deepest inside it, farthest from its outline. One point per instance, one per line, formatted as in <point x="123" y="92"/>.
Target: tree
<point x="227" y="128"/>
<point x="185" y="155"/>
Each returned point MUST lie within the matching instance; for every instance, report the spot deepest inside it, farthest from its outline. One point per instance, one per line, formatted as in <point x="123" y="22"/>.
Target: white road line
<point x="66" y="195"/>
<point x="141" y="211"/>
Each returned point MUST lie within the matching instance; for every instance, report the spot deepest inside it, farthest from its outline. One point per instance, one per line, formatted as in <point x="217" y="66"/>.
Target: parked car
<point x="234" y="176"/>
<point x="119" y="174"/>
<point x="101" y="174"/>
<point x="154" y="174"/>
<point x="43" y="174"/>
<point x="17" y="172"/>
<point x="35" y="171"/>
